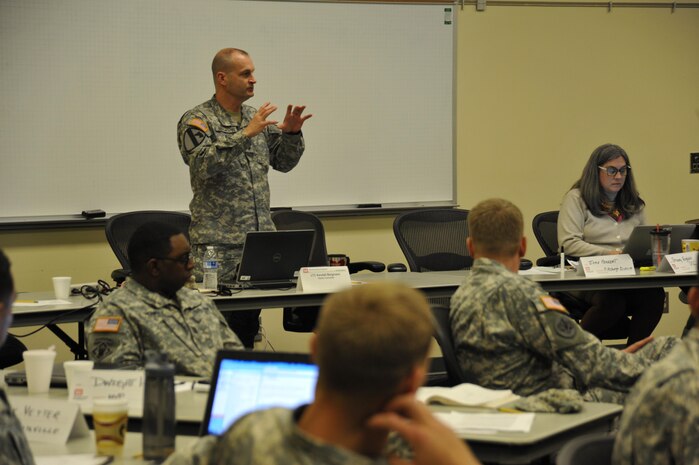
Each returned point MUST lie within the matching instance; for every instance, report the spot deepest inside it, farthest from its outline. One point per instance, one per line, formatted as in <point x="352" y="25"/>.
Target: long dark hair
<point x="627" y="201"/>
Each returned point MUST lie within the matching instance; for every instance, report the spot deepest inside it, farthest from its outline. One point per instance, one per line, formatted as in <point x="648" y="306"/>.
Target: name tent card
<point x="679" y="263"/>
<point x="606" y="265"/>
<point x="49" y="420"/>
<point x="110" y="384"/>
<point x="323" y="279"/>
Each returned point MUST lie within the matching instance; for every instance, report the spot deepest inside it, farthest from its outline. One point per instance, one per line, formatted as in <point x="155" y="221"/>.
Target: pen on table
<point x="26" y="301"/>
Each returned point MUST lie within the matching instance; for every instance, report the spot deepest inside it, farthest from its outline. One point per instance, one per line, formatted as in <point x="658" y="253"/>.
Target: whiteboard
<point x="92" y="91"/>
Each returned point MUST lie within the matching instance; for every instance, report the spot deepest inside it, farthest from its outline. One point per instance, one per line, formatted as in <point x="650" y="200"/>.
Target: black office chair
<point x="545" y="227"/>
<point x="589" y="449"/>
<point x="442" y="333"/>
<point x="11" y="352"/>
<point x="434" y="239"/>
<point x="119" y="229"/>
<point x="303" y="319"/>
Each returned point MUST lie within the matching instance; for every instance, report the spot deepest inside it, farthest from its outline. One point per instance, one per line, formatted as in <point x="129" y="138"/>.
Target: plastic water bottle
<point x="210" y="268"/>
<point x="158" y="407"/>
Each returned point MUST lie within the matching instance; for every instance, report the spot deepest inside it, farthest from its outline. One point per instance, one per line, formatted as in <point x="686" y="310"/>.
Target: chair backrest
<point x="545" y="226"/>
<point x="434" y="239"/>
<point x="287" y="220"/>
<point x="444" y="339"/>
<point x="119" y="228"/>
<point x="593" y="449"/>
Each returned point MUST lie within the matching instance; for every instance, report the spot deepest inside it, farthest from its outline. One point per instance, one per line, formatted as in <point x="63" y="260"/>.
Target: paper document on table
<point x="466" y="394"/>
<point x="483" y="423"/>
<point x="75" y="459"/>
<point x="39" y="303"/>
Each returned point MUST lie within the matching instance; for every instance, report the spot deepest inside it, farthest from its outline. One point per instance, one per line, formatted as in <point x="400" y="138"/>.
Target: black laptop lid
<point x="245" y="381"/>
<point x="274" y="256"/>
<point x="638" y="245"/>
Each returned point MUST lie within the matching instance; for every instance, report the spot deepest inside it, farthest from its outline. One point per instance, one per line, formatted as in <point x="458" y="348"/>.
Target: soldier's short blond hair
<point x="223" y="60"/>
<point x="370" y="338"/>
<point x="495" y="227"/>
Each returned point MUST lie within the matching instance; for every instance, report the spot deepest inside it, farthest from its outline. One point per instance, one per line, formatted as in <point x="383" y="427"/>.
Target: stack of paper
<point x="487" y="423"/>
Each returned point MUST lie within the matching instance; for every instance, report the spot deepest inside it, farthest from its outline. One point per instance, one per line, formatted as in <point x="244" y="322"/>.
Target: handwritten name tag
<point x="323" y="279"/>
<point x="679" y="263"/>
<point x="606" y="265"/>
<point x="49" y="420"/>
<point x="111" y="384"/>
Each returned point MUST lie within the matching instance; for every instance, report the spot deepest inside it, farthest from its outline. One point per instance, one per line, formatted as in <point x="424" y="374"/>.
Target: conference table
<point x="433" y="284"/>
<point x="549" y="432"/>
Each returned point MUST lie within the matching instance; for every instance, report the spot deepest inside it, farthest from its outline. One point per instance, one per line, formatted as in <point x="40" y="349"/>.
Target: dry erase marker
<point x="563" y="262"/>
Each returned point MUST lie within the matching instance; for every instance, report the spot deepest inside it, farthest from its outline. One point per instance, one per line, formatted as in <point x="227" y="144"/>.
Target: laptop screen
<point x="247" y="381"/>
<point x="638" y="244"/>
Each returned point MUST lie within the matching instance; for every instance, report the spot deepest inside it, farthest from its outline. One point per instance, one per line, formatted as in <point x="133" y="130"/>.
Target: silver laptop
<point x="638" y="245"/>
<point x="272" y="259"/>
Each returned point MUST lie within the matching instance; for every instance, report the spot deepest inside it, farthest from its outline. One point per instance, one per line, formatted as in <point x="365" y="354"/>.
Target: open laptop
<point x="19" y="377"/>
<point x="272" y="259"/>
<point x="638" y="245"/>
<point x="245" y="381"/>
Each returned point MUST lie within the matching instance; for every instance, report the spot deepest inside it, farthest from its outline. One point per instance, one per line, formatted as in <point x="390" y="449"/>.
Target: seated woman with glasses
<point x="596" y="218"/>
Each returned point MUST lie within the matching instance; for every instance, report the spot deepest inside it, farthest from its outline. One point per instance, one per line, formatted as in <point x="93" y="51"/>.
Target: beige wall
<point x="537" y="90"/>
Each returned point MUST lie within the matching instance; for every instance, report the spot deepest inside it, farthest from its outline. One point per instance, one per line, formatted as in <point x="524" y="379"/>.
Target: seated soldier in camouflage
<point x="154" y="311"/>
<point x="510" y="334"/>
<point x="14" y="447"/>
<point x="371" y="347"/>
<point x="660" y="423"/>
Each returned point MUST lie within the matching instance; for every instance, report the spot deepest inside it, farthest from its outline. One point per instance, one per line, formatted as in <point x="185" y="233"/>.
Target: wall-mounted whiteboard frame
<point x="93" y="89"/>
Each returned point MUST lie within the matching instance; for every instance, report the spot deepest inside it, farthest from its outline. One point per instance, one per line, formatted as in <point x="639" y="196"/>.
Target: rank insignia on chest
<point x="107" y="324"/>
<point x="551" y="303"/>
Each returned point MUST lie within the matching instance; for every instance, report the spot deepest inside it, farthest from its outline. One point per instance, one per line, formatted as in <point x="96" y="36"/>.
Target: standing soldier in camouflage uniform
<point x="510" y="334"/>
<point x="371" y="347"/>
<point x="660" y="423"/>
<point x="14" y="448"/>
<point x="229" y="148"/>
<point x="153" y="311"/>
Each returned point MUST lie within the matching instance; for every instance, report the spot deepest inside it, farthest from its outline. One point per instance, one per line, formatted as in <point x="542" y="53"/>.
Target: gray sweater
<point x="583" y="234"/>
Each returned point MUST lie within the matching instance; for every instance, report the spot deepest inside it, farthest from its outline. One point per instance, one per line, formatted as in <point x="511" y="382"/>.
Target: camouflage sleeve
<point x="205" y="152"/>
<point x="112" y="340"/>
<point x="285" y="149"/>
<point x="659" y="425"/>
<point x="555" y="335"/>
<point x="229" y="338"/>
<point x="198" y="453"/>
<point x="14" y="446"/>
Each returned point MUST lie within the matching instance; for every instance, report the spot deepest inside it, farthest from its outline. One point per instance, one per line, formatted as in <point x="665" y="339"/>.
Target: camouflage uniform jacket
<point x="510" y="334"/>
<point x="14" y="448"/>
<point x="268" y="437"/>
<point x="228" y="172"/>
<point x="134" y="319"/>
<point x="660" y="423"/>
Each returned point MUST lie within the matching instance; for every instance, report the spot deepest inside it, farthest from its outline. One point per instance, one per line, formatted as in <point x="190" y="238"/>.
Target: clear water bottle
<point x="210" y="263"/>
<point x="158" y="407"/>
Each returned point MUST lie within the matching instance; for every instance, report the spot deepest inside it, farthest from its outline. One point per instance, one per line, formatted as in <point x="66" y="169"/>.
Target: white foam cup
<point x="39" y="367"/>
<point x="61" y="286"/>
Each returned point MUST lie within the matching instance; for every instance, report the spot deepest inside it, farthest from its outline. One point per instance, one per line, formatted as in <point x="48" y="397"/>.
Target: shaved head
<point x="223" y="61"/>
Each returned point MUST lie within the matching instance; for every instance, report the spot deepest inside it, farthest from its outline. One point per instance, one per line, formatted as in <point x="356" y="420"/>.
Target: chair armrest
<point x="551" y="260"/>
<point x="376" y="267"/>
<point x="120" y="275"/>
<point x="397" y="268"/>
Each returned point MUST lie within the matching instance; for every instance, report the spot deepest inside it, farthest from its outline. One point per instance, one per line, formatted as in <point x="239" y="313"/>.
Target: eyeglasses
<point x="183" y="259"/>
<point x="613" y="170"/>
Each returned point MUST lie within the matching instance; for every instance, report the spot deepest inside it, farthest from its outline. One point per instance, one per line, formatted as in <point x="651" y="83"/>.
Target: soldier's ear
<point x="153" y="267"/>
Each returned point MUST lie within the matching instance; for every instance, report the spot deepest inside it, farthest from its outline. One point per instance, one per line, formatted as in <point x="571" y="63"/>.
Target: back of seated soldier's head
<point x="150" y="240"/>
<point x="370" y="338"/>
<point x="495" y="227"/>
<point x="7" y="291"/>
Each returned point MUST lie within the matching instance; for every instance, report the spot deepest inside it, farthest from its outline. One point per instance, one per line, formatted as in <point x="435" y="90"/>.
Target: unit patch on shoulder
<point x="199" y="123"/>
<point x="107" y="324"/>
<point x="552" y="303"/>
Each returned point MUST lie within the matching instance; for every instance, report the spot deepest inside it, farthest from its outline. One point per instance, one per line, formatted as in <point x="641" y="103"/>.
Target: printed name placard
<point x="111" y="384"/>
<point x="49" y="420"/>
<point x="606" y="265"/>
<point x="323" y="279"/>
<point x="679" y="263"/>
